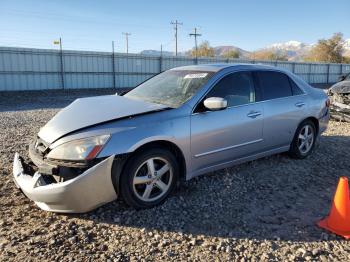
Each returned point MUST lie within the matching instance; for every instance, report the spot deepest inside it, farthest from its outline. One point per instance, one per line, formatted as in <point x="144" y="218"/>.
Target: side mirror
<point x="215" y="103"/>
<point x="341" y="78"/>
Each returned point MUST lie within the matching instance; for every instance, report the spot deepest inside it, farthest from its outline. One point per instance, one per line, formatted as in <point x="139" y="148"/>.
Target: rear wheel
<point x="149" y="177"/>
<point x="304" y="140"/>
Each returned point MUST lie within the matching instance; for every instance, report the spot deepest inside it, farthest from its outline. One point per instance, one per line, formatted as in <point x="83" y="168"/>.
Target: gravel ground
<point x="261" y="210"/>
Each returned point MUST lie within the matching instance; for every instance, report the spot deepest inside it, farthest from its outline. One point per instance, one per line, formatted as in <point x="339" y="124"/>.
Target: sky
<point x="93" y="25"/>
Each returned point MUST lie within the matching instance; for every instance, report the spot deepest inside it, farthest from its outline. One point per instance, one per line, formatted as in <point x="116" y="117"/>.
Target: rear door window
<point x="295" y="88"/>
<point x="274" y="84"/>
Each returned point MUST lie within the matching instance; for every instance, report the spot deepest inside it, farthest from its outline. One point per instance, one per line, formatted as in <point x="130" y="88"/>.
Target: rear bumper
<point x="83" y="193"/>
<point x="323" y="122"/>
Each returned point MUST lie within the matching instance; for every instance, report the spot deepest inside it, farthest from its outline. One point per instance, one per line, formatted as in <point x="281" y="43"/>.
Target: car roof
<point x="243" y="66"/>
<point x="218" y="67"/>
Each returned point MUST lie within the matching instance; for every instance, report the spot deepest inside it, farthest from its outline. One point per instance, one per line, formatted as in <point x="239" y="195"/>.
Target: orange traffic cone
<point x="338" y="220"/>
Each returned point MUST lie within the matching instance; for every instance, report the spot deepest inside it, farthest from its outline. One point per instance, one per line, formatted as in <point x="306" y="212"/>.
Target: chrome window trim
<point x="246" y="70"/>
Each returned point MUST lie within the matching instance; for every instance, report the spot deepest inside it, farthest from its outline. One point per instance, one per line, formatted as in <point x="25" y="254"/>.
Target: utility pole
<point x="59" y="42"/>
<point x="161" y="59"/>
<point x="176" y="23"/>
<point x="113" y="64"/>
<point x="127" y="41"/>
<point x="195" y="34"/>
<point x="62" y="70"/>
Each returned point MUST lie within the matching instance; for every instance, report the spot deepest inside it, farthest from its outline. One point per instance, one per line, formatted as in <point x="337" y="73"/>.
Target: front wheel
<point x="304" y="140"/>
<point x="149" y="177"/>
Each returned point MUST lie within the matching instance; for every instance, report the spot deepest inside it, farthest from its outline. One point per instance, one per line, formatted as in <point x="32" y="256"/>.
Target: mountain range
<point x="294" y="50"/>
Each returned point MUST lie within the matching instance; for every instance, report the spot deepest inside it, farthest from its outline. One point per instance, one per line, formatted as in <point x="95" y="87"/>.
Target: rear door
<point x="221" y="136"/>
<point x="284" y="107"/>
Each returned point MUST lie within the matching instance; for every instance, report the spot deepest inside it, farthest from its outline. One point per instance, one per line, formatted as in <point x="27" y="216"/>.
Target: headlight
<point x="82" y="149"/>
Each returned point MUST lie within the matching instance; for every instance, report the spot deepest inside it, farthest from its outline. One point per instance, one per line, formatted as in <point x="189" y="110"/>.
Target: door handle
<point x="299" y="104"/>
<point x="254" y="114"/>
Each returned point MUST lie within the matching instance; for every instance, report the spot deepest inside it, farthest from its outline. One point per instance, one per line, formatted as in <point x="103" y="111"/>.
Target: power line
<point x="127" y="41"/>
<point x="176" y="23"/>
<point x="82" y="19"/>
<point x="86" y="43"/>
<point x="195" y="34"/>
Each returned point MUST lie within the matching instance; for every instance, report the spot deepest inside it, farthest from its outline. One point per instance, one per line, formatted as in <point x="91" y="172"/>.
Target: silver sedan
<point x="182" y="123"/>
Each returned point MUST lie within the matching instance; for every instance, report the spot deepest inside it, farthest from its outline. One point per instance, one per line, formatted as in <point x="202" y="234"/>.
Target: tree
<point x="204" y="49"/>
<point x="328" y="50"/>
<point x="231" y="54"/>
<point x="268" y="55"/>
<point x="346" y="59"/>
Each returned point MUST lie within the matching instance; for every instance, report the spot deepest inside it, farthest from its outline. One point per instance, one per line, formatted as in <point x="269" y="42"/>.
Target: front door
<point x="232" y="133"/>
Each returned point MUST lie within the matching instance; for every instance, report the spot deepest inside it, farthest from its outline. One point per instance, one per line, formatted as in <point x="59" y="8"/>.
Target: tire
<point x="296" y="149"/>
<point x="139" y="187"/>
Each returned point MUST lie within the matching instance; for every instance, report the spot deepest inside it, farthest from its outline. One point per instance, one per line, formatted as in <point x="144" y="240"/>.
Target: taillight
<point x="328" y="103"/>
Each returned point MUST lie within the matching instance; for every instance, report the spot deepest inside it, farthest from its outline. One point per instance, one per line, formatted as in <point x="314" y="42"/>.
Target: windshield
<point x="171" y="88"/>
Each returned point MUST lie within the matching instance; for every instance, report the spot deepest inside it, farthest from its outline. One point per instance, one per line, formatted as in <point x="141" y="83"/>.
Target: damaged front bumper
<point x="83" y="193"/>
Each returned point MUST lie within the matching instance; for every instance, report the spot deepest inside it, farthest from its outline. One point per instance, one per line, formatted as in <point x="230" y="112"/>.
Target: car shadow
<point x="275" y="198"/>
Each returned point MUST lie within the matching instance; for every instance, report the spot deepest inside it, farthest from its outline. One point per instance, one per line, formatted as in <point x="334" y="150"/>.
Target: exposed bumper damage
<point x="340" y="102"/>
<point x="82" y="193"/>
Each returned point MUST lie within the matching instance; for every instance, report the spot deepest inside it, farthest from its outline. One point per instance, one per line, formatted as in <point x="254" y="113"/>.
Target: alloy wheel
<point x="306" y="139"/>
<point x="152" y="179"/>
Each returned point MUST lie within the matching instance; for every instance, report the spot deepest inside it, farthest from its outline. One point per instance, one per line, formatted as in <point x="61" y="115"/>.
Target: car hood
<point x="85" y="112"/>
<point x="342" y="87"/>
